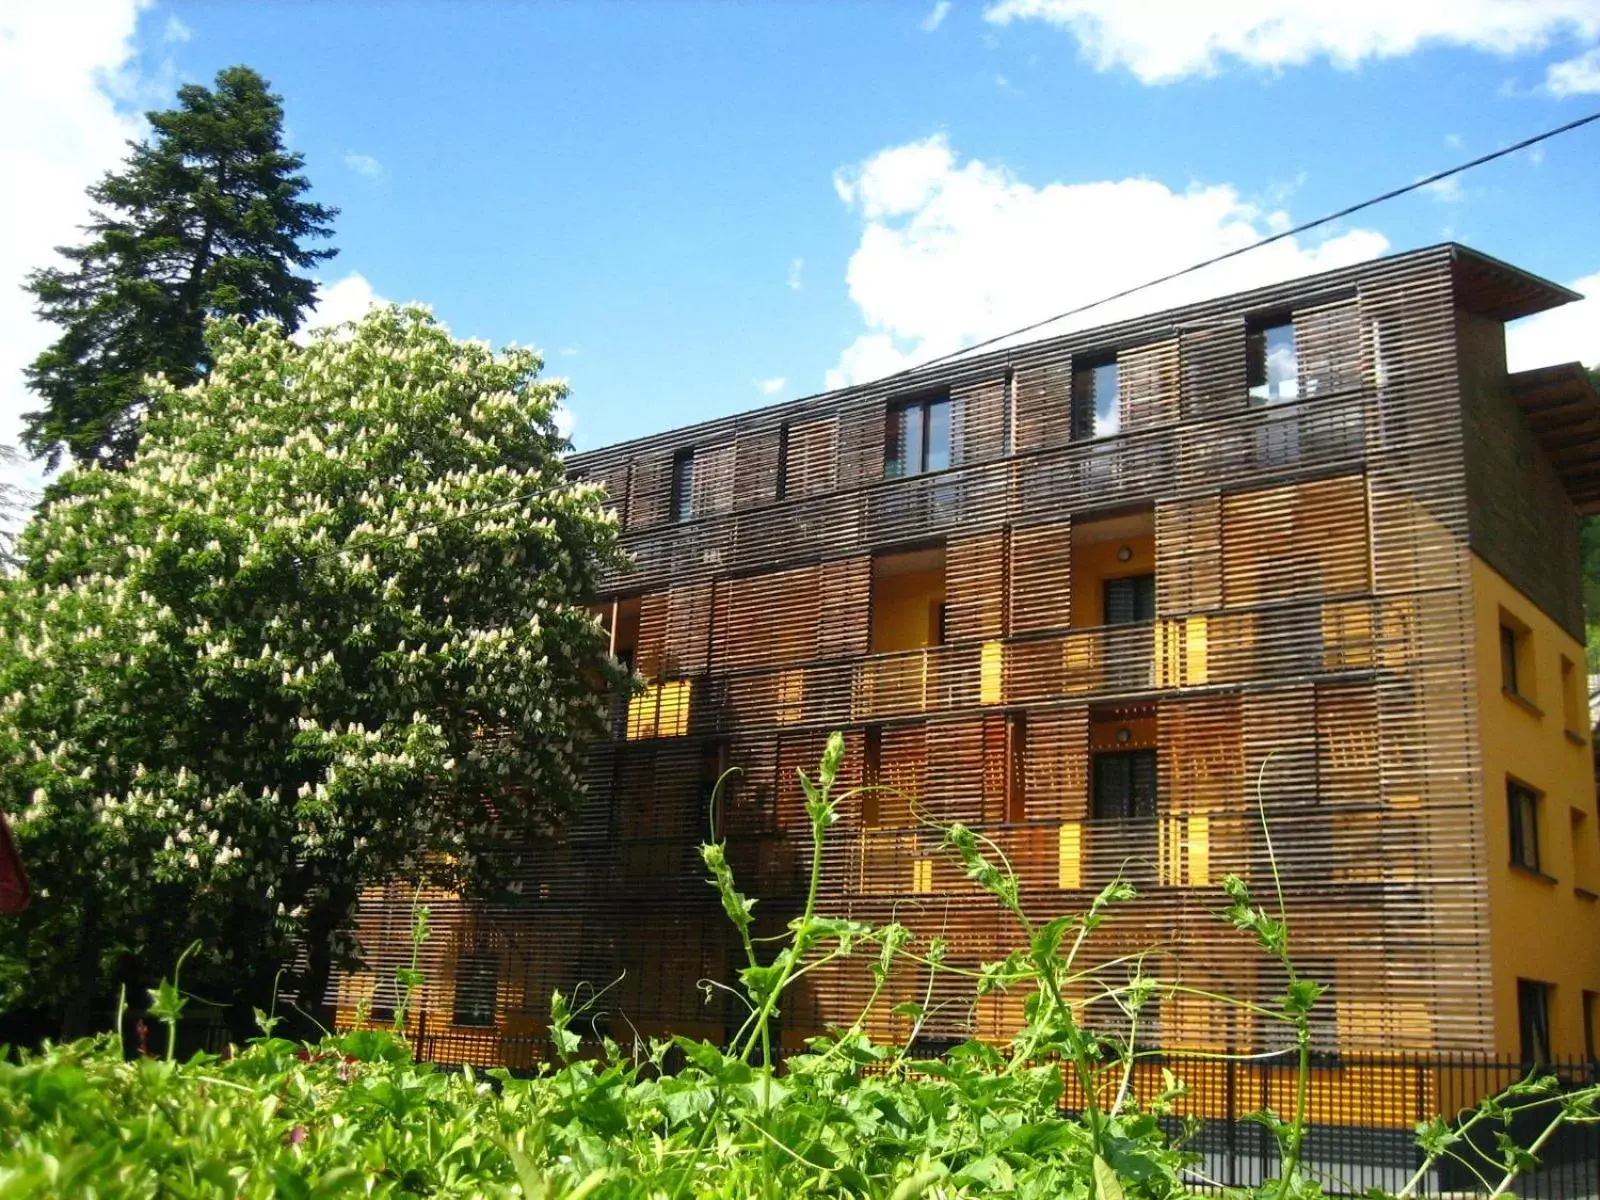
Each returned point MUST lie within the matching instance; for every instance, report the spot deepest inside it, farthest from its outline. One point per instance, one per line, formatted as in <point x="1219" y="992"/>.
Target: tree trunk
<point x="326" y="919"/>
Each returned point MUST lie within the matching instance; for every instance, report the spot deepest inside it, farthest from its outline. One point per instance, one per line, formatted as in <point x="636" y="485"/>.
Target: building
<point x="1308" y="550"/>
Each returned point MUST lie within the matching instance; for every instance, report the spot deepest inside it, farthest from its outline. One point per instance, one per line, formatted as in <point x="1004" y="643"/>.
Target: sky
<point x="694" y="208"/>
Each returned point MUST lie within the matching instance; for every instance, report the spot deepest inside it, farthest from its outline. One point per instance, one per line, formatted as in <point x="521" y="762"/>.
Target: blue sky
<point x="695" y="208"/>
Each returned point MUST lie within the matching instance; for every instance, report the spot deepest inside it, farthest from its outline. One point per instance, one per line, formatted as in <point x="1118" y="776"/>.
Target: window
<point x="1523" y="805"/>
<point x="1130" y="600"/>
<point x="1533" y="1020"/>
<point x="917" y="437"/>
<point x="1272" y="365"/>
<point x="1589" y="999"/>
<point x="1096" y="398"/>
<point x="683" y="485"/>
<point x="1124" y="785"/>
<point x="1508" y="660"/>
<point x="1572" y="699"/>
<point x="477" y="974"/>
<point x="782" y="489"/>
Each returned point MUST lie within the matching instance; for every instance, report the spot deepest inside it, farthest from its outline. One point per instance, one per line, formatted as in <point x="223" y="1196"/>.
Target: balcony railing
<point x="1280" y="642"/>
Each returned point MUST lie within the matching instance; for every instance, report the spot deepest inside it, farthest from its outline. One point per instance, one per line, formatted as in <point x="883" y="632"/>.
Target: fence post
<point x="1264" y="1136"/>
<point x="1230" y="1102"/>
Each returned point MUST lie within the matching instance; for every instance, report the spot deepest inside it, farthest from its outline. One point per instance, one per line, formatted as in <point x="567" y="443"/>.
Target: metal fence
<point x="1363" y="1113"/>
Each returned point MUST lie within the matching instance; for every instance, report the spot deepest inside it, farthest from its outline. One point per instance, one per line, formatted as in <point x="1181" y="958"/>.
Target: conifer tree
<point x="206" y="218"/>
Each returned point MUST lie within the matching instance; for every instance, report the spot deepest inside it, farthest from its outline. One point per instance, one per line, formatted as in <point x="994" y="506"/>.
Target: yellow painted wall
<point x="1542" y="929"/>
<point x="1095" y="562"/>
<point x="905" y="610"/>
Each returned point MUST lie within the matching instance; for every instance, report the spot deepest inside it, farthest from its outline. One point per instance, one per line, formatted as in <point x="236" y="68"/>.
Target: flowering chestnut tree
<point x="324" y="630"/>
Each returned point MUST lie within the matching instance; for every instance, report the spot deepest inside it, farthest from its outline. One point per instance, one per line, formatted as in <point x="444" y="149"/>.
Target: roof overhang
<point x="1562" y="408"/>
<point x="1492" y="288"/>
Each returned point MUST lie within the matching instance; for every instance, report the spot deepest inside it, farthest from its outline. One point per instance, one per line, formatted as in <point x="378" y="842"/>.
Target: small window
<point x="1522" y="803"/>
<point x="1124" y="785"/>
<point x="1130" y="600"/>
<point x="683" y="485"/>
<point x="1572" y="698"/>
<point x="917" y="437"/>
<point x="1509" y="679"/>
<point x="1589" y="1001"/>
<point x="1096" y="398"/>
<point x="1533" y="1020"/>
<point x="1272" y="363"/>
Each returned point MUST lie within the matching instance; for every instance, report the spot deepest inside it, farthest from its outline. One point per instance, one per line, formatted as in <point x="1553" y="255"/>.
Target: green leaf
<point x="1106" y="1184"/>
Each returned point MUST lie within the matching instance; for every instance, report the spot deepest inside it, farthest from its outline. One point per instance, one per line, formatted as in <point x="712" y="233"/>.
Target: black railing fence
<point x="1363" y="1115"/>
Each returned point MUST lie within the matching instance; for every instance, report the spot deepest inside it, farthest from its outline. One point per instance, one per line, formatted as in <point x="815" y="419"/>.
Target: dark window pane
<point x="1533" y="1018"/>
<point x="938" y="444"/>
<point x="1273" y="367"/>
<point x="894" y="443"/>
<point x="1142" y="783"/>
<point x="1112" y="787"/>
<point x="1124" y="785"/>
<point x="683" y="487"/>
<point x="782" y="488"/>
<point x="1130" y="600"/>
<point x="1523" y="812"/>
<point x="1508" y="660"/>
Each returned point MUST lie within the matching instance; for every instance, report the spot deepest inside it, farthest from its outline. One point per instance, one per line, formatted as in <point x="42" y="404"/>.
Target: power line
<point x="1392" y="194"/>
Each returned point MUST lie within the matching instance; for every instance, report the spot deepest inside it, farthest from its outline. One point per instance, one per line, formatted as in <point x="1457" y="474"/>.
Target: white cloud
<point x="1570" y="333"/>
<point x="795" y="278"/>
<point x="936" y="16"/>
<point x="66" y="67"/>
<point x="568" y="352"/>
<point x="175" y="31"/>
<point x="771" y="387"/>
<point x="566" y="421"/>
<point x="346" y="299"/>
<point x="1575" y="75"/>
<point x="1446" y="191"/>
<point x="364" y="165"/>
<point x="1164" y="40"/>
<point x="1453" y="140"/>
<point x="954" y="251"/>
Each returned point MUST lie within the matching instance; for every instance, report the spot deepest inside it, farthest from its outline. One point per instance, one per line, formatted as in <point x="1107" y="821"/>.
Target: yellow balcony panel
<point x="1069" y="855"/>
<point x="992" y="673"/>
<point x="660" y="710"/>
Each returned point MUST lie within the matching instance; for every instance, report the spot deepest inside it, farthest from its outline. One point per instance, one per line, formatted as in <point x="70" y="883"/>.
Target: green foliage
<point x="303" y="642"/>
<point x="682" y="1118"/>
<point x="205" y="219"/>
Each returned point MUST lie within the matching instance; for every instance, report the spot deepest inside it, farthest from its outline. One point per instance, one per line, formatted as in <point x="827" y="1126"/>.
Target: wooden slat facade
<point x="1309" y="636"/>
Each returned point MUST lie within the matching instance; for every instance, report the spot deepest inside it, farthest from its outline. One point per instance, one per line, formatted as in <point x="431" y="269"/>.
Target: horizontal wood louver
<point x="1309" y="654"/>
